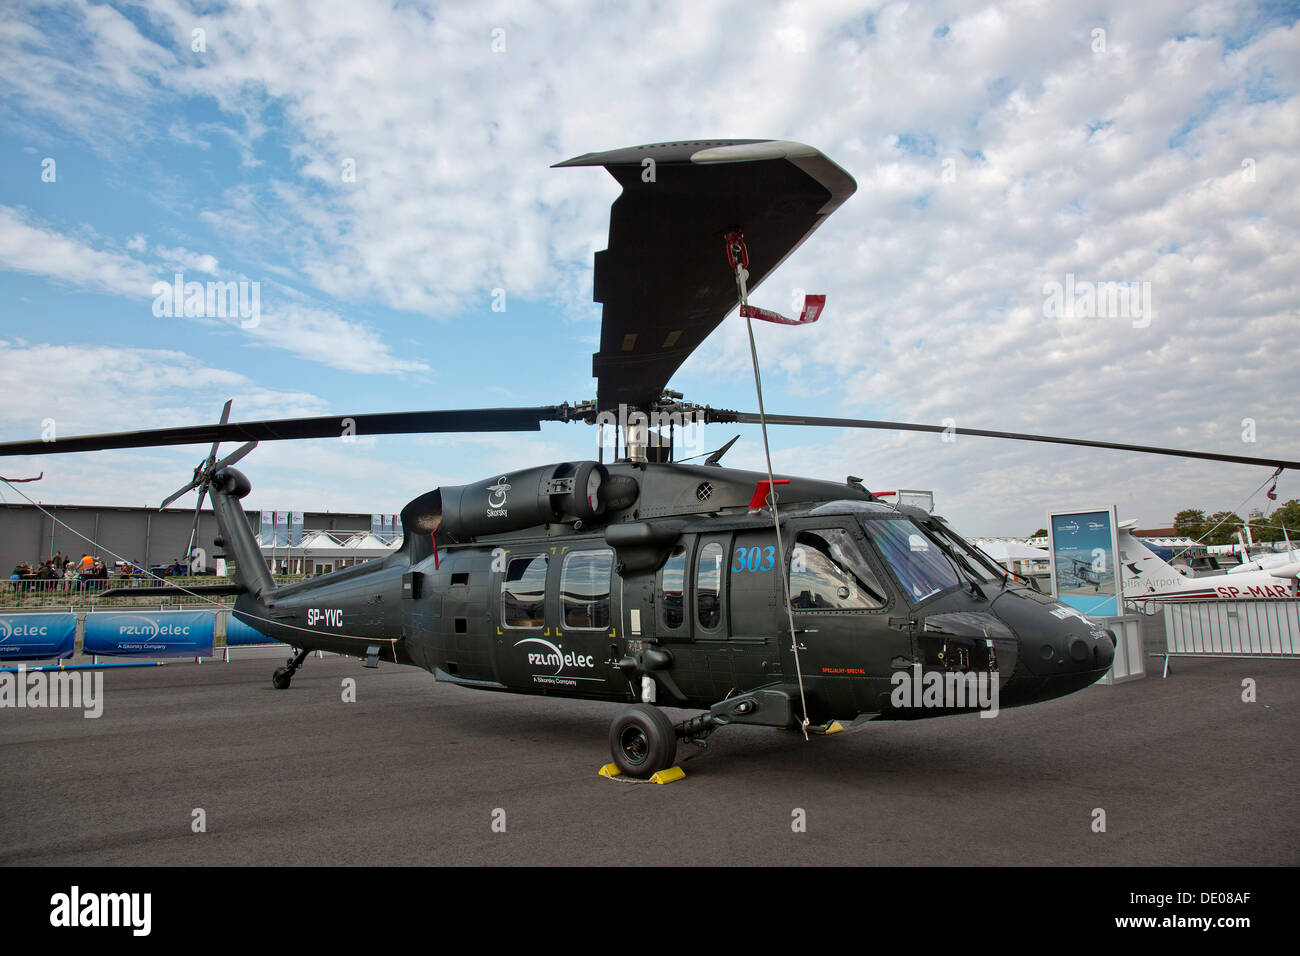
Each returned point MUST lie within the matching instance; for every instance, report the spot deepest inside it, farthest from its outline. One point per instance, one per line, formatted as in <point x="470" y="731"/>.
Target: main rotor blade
<point x="325" y="426"/>
<point x="749" y="418"/>
<point x="663" y="278"/>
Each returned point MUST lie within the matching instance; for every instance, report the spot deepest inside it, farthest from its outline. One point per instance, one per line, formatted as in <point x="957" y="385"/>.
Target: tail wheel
<point x="642" y="741"/>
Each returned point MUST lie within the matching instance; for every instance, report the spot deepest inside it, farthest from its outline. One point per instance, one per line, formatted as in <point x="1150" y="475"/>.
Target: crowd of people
<point x="66" y="572"/>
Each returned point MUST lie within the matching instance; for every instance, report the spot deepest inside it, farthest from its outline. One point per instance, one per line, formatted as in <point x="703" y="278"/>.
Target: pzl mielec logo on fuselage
<point x="330" y="617"/>
<point x="556" y="656"/>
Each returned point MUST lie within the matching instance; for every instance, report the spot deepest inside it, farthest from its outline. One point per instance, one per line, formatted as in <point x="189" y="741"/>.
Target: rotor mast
<point x="647" y="434"/>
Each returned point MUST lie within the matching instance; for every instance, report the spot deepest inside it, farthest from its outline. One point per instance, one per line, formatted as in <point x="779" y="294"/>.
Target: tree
<point x="1287" y="516"/>
<point x="1190" y="523"/>
<point x="1221" y="528"/>
<point x="1040" y="533"/>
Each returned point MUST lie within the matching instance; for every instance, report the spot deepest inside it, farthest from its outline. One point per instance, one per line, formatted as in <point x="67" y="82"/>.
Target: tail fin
<point x="1145" y="572"/>
<point x="250" y="573"/>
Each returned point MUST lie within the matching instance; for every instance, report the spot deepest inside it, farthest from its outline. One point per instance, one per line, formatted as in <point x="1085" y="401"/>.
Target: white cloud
<point x="322" y="336"/>
<point x="36" y="250"/>
<point x="108" y="388"/>
<point x="314" y="334"/>
<point x="183" y="258"/>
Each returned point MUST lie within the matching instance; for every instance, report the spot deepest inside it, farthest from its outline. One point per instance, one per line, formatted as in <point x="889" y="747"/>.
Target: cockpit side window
<point x="672" y="588"/>
<point x="828" y="572"/>
<point x="708" y="586"/>
<point x="918" y="563"/>
<point x="584" y="589"/>
<point x="709" y="582"/>
<point x="523" y="592"/>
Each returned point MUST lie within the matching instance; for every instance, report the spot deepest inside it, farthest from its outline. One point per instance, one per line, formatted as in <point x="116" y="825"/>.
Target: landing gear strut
<point x="283" y="675"/>
<point x="643" y="740"/>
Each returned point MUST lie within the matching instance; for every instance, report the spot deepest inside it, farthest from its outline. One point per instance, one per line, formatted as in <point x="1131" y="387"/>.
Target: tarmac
<point x="416" y="772"/>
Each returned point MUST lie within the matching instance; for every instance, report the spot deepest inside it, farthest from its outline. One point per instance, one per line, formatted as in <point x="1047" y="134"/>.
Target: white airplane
<point x="1148" y="579"/>
<point x="1263" y="562"/>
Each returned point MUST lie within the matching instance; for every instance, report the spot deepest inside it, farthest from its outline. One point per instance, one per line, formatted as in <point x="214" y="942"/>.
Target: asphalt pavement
<point x="417" y="772"/>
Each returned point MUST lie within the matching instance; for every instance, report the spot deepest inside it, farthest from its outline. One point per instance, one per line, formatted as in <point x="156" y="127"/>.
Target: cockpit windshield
<point x="917" y="561"/>
<point x="973" y="561"/>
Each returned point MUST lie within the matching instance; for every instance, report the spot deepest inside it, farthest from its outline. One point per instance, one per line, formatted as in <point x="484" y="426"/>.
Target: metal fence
<point x="1258" y="628"/>
<point x="1130" y="661"/>
<point x="59" y="593"/>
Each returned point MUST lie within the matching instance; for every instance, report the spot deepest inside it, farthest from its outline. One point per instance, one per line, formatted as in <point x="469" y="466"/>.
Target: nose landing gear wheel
<point x="642" y="741"/>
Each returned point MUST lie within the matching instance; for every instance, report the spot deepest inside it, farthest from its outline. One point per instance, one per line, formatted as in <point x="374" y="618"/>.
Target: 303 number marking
<point x="754" y="559"/>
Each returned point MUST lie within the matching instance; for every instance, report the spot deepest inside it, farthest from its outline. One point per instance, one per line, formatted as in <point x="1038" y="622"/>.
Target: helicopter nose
<point x="1074" y="653"/>
<point x="1103" y="652"/>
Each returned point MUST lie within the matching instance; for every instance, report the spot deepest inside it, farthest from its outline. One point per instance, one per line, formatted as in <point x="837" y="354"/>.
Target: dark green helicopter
<point x="650" y="582"/>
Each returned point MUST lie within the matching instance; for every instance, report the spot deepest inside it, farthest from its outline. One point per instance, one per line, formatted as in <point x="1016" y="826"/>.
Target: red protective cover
<point x="812" y="310"/>
<point x="762" y="490"/>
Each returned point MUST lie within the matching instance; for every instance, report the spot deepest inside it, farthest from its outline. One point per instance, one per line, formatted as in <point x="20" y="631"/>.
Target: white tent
<point x="369" y="543"/>
<point x="1003" y="551"/>
<point x="319" y="541"/>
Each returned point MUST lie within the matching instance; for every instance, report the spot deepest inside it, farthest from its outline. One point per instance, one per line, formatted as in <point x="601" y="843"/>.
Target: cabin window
<point x="708" y="586"/>
<point x="672" y="588"/>
<point x="584" y="585"/>
<point x="523" y="592"/>
<point x="828" y="572"/>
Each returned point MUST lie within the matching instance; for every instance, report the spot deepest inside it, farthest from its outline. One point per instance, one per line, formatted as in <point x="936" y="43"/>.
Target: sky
<point x="380" y="174"/>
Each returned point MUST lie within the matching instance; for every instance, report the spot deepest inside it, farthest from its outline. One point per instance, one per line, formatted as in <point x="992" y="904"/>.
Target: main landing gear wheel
<point x="642" y="741"/>
<point x="283" y="675"/>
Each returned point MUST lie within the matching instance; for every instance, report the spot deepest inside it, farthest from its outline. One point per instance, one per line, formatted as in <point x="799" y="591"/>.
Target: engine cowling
<point x="567" y="492"/>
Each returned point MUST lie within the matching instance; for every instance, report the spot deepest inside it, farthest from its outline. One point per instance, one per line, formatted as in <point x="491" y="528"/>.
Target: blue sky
<point x="997" y="147"/>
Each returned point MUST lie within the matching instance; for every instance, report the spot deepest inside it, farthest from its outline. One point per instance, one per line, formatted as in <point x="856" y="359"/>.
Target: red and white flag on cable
<point x="738" y="259"/>
<point x="1271" y="494"/>
<point x="812" y="308"/>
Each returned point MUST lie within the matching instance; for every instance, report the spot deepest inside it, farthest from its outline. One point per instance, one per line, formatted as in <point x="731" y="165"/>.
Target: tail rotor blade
<point x="212" y="453"/>
<point x="194" y="529"/>
<point x="234" y="456"/>
<point x="180" y="494"/>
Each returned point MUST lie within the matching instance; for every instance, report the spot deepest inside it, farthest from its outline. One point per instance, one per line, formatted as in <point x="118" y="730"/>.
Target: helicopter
<point x="751" y="597"/>
<point x="1080" y="574"/>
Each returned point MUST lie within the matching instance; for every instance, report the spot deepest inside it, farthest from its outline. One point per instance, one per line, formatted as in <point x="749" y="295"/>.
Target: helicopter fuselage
<point x="690" y="609"/>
